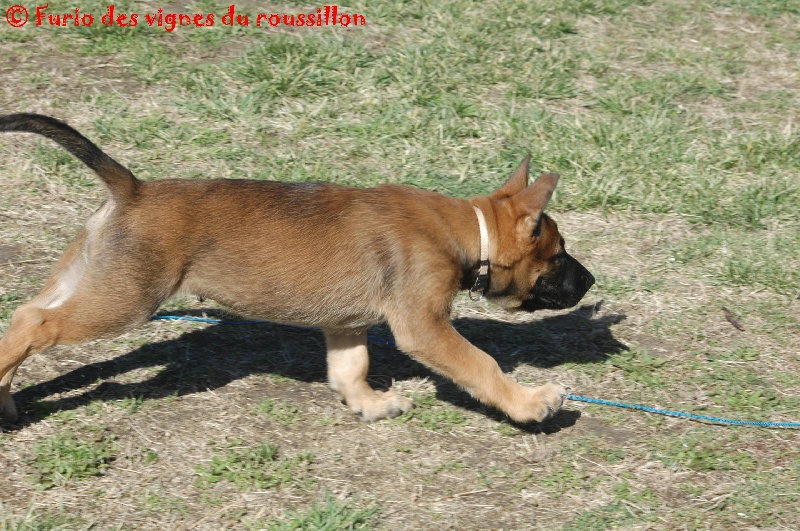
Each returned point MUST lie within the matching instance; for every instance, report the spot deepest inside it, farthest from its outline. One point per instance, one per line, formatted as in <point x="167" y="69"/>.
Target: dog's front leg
<point x="439" y="346"/>
<point x="348" y="362"/>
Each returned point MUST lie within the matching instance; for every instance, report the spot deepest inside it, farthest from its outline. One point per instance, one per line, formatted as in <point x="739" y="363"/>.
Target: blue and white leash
<point x="679" y="414"/>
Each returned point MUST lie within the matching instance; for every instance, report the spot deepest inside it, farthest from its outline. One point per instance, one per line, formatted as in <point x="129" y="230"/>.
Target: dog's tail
<point x="120" y="181"/>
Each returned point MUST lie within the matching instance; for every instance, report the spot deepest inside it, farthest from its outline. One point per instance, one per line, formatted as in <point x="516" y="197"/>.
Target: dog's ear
<point x="516" y="183"/>
<point x="532" y="201"/>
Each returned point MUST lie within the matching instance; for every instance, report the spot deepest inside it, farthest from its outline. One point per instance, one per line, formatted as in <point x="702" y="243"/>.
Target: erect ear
<point x="531" y="202"/>
<point x="516" y="183"/>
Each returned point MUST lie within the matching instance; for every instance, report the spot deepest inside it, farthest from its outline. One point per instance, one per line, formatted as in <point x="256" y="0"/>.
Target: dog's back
<point x="315" y="254"/>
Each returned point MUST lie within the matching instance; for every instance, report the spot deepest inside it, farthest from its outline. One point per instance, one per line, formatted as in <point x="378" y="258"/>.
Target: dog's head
<point x="530" y="268"/>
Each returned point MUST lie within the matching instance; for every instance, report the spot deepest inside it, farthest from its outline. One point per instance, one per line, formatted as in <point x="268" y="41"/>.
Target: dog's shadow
<point x="214" y="356"/>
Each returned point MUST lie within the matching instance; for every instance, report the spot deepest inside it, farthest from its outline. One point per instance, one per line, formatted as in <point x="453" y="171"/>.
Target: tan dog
<point x="334" y="257"/>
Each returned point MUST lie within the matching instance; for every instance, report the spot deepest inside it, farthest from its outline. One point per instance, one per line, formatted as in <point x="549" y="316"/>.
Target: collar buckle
<point x="482" y="280"/>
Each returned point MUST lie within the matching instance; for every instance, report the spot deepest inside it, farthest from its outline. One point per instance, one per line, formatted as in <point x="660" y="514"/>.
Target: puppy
<point x="312" y="254"/>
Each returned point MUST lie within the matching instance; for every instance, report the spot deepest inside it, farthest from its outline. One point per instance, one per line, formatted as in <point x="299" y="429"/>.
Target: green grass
<point x="255" y="467"/>
<point x="279" y="412"/>
<point x="8" y="303"/>
<point x="641" y="367"/>
<point x="159" y="502"/>
<point x="66" y="457"/>
<point x="331" y="515"/>
<point x="432" y="414"/>
<point x="630" y="505"/>
<point x="704" y="451"/>
<point x="639" y="149"/>
<point x="34" y="520"/>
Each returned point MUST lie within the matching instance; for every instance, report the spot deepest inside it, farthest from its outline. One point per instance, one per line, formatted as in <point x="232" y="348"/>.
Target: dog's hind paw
<point x="380" y="405"/>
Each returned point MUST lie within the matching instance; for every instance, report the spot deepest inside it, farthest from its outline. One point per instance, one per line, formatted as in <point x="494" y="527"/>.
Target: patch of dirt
<point x="9" y="253"/>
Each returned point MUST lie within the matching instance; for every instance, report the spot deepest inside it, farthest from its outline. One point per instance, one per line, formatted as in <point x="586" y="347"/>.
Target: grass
<point x="8" y="304"/>
<point x="673" y="126"/>
<point x="630" y="506"/>
<point x="331" y="515"/>
<point x="159" y="502"/>
<point x="34" y="520"/>
<point x="280" y="413"/>
<point x="60" y="459"/>
<point x="258" y="467"/>
<point x="431" y="414"/>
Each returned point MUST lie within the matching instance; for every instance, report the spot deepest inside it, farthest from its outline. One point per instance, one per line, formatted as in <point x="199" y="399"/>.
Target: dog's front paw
<point x="377" y="405"/>
<point x="538" y="404"/>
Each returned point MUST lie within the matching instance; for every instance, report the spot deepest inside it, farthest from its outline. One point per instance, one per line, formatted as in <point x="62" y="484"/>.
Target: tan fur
<point x="321" y="255"/>
<point x="348" y="361"/>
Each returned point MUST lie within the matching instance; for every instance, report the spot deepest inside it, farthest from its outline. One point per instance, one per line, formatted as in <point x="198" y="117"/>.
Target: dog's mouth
<point x="563" y="291"/>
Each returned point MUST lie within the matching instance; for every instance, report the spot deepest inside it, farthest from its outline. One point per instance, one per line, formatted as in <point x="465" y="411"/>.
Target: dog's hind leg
<point x="31" y="331"/>
<point x="79" y="303"/>
<point x="348" y="362"/>
<point x="34" y="329"/>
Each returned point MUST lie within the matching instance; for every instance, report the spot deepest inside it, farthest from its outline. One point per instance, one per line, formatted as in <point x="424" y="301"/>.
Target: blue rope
<point x="691" y="416"/>
<point x="624" y="405"/>
<point x="204" y="320"/>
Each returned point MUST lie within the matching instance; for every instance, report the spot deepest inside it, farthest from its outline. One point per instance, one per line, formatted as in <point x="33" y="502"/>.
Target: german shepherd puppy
<point x="322" y="255"/>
